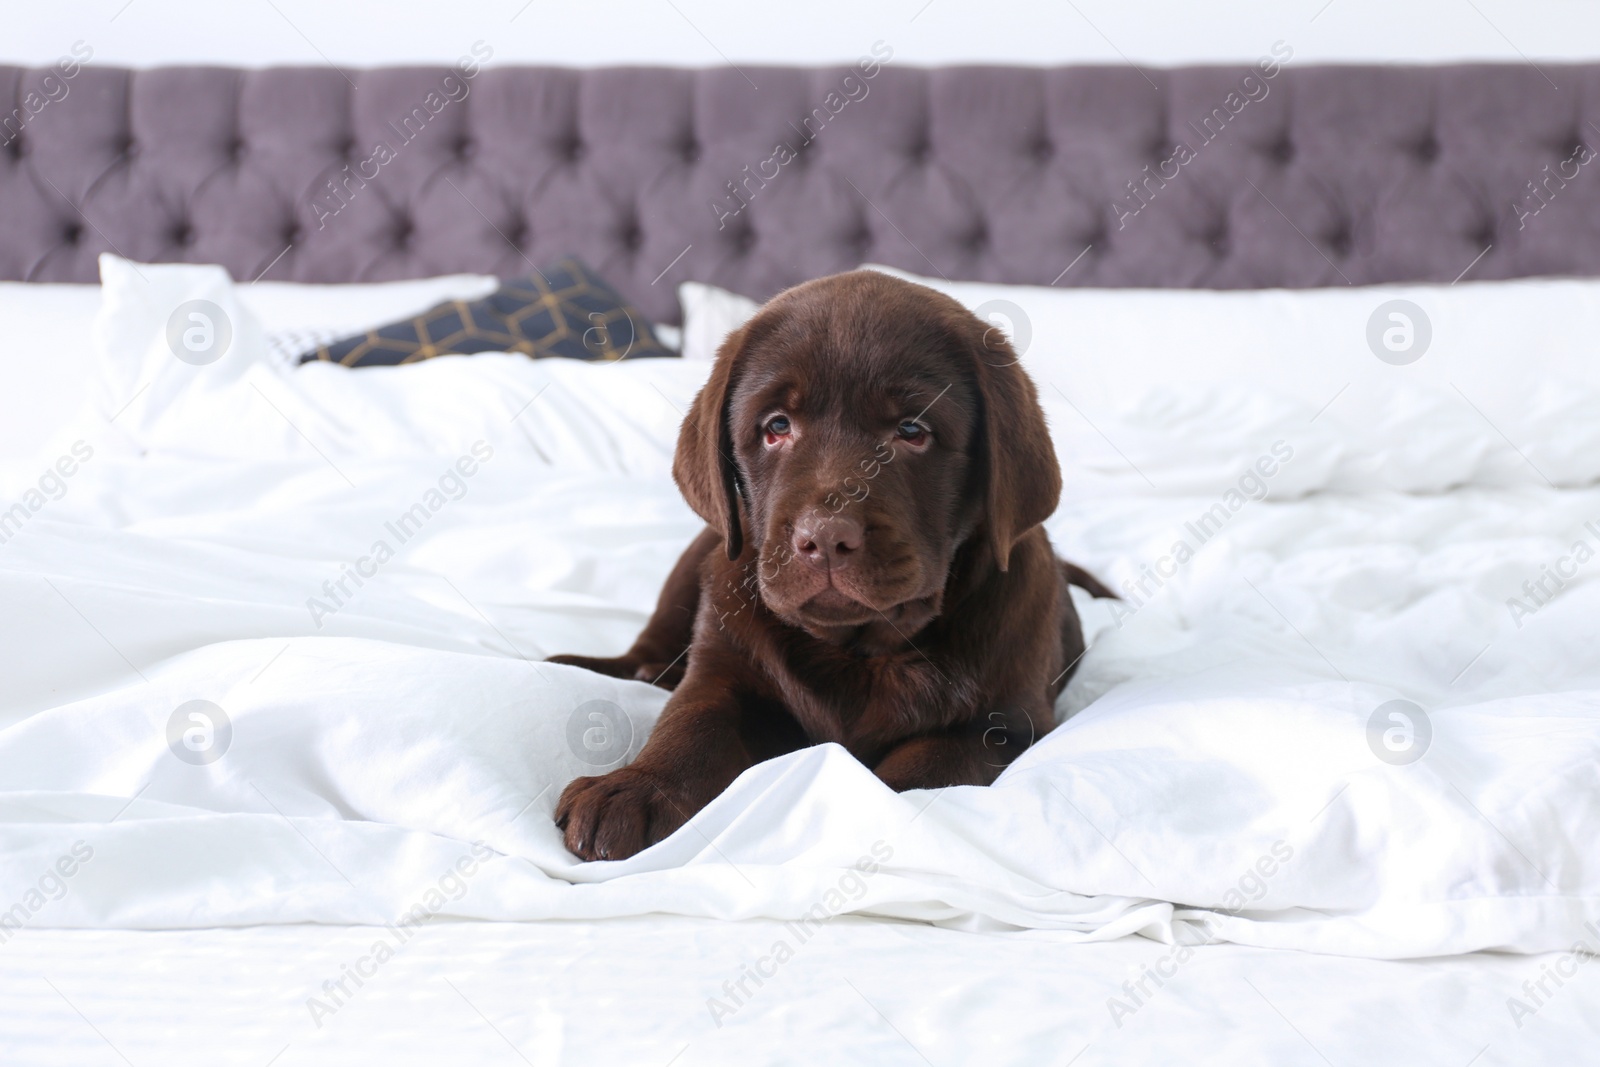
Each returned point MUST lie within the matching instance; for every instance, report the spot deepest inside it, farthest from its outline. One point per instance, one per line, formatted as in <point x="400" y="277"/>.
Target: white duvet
<point x="1229" y="767"/>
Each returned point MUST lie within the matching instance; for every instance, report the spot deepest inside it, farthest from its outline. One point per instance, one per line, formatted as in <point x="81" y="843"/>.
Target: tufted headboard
<point x="754" y="179"/>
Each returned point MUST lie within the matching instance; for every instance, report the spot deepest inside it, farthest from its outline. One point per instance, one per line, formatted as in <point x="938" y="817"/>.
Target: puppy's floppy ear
<point x="703" y="464"/>
<point x="1017" y="457"/>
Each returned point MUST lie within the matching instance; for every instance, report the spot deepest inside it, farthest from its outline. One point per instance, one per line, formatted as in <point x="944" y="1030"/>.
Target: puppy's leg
<point x="660" y="654"/>
<point x="695" y="751"/>
<point x="971" y="754"/>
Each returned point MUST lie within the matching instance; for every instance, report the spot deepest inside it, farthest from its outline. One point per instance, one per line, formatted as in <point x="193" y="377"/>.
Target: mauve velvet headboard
<point x="1109" y="176"/>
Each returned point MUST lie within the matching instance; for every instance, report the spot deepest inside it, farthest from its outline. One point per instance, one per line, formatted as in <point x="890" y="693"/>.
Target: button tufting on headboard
<point x="1067" y="176"/>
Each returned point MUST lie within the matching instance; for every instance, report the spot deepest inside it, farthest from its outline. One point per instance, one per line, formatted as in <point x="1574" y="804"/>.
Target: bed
<point x="1324" y="787"/>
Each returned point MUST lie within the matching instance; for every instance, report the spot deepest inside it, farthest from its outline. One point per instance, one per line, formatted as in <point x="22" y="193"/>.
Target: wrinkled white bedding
<point x="1215" y="778"/>
<point x="416" y="718"/>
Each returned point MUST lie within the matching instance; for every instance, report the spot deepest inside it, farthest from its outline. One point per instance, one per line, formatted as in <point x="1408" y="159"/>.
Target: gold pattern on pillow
<point x="562" y="311"/>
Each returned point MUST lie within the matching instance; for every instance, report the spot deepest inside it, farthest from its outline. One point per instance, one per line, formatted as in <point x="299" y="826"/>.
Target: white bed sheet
<point x="663" y="990"/>
<point x="1223" y="723"/>
<point x="416" y="717"/>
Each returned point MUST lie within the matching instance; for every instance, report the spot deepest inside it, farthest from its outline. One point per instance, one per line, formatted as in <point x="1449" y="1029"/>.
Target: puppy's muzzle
<point x="829" y="542"/>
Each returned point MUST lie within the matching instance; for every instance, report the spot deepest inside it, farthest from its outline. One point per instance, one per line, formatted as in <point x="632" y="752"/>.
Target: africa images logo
<point x="199" y="732"/>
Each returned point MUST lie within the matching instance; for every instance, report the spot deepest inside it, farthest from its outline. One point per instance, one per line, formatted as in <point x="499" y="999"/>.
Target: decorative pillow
<point x="564" y="310"/>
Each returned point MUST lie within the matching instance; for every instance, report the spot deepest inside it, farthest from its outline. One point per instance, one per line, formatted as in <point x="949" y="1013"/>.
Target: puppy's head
<point x="857" y="432"/>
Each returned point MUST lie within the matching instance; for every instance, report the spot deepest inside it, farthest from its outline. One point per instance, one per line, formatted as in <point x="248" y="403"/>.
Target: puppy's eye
<point x="776" y="427"/>
<point x="912" y="431"/>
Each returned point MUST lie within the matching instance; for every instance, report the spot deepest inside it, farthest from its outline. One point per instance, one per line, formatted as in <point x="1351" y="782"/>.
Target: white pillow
<point x="246" y="403"/>
<point x="1301" y="342"/>
<point x="710" y="314"/>
<point x="45" y="361"/>
<point x="1505" y="391"/>
<point x="50" y="346"/>
<point x="671" y="337"/>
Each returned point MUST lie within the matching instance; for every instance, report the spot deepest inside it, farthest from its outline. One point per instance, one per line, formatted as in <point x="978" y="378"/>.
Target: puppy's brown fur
<point x="873" y="466"/>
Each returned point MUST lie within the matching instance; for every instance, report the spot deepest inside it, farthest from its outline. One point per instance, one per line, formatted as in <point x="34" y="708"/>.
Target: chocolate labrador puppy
<point x="873" y="467"/>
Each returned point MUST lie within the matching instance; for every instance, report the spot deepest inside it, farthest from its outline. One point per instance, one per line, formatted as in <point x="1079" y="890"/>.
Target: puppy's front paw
<point x="618" y="814"/>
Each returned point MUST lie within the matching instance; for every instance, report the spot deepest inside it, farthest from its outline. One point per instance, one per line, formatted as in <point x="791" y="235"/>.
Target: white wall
<point x="704" y="32"/>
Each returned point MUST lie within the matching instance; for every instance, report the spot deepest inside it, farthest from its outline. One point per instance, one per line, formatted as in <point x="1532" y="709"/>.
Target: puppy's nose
<point x="828" y="541"/>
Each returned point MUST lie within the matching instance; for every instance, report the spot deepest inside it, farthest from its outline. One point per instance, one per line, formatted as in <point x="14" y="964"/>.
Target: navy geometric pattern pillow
<point x="563" y="311"/>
